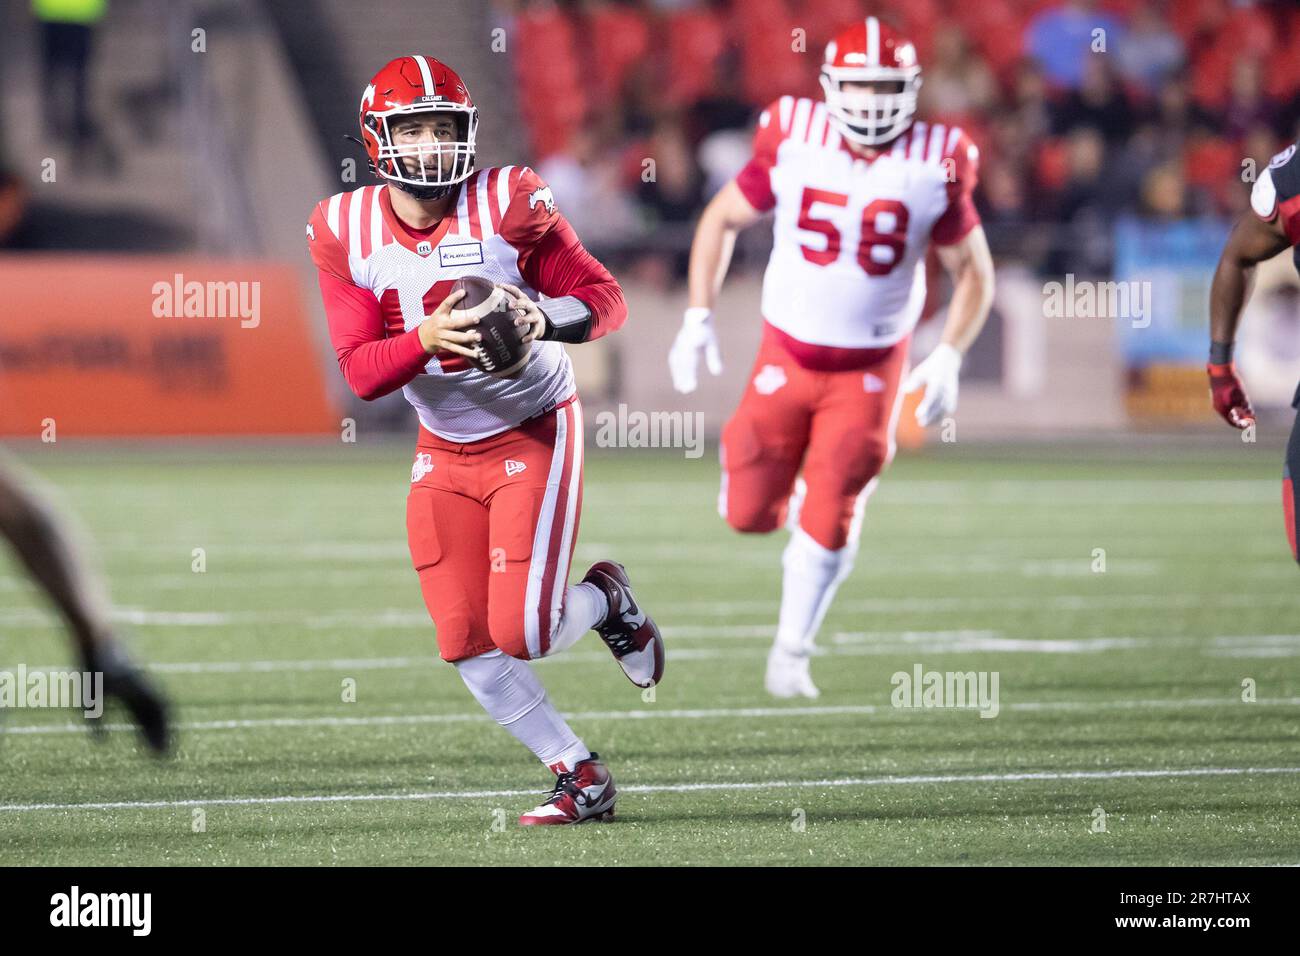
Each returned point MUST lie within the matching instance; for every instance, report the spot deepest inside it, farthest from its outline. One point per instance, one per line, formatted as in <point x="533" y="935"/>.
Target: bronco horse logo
<point x="542" y="194"/>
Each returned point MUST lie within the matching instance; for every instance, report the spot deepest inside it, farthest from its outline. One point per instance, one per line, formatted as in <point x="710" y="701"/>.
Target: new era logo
<point x="514" y="467"/>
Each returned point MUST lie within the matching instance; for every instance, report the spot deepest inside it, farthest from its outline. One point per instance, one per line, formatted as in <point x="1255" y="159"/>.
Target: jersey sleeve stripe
<point x="472" y="197"/>
<point x="934" y="151"/>
<point x="492" y="199"/>
<point x="345" y="221"/>
<point x="461" y="222"/>
<point x="485" y="207"/>
<point x="364" y="221"/>
<point x="802" y="113"/>
<point x="355" y="201"/>
<point x="503" y="194"/>
<point x="376" y="222"/>
<point x="915" y="149"/>
<point x="785" y="108"/>
<point x="817" y="130"/>
<point x="332" y="213"/>
<point x="954" y="137"/>
<point x="388" y="231"/>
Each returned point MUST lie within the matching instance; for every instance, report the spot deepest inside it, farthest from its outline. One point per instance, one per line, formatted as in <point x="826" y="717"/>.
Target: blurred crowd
<point x="1084" y="110"/>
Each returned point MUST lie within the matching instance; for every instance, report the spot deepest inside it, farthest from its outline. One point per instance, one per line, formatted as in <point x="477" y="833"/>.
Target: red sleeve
<point x="961" y="167"/>
<point x="755" y="180"/>
<point x="326" y="250"/>
<point x="372" y="364"/>
<point x="552" y="259"/>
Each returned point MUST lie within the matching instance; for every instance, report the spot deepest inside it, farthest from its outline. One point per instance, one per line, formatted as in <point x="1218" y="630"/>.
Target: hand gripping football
<point x="501" y="352"/>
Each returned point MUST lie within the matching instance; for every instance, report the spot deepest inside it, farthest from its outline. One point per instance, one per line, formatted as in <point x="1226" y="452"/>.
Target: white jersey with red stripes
<point x="498" y="213"/>
<point x="850" y="234"/>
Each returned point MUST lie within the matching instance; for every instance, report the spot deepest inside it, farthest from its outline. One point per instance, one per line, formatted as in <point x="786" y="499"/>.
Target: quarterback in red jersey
<point x="496" y="483"/>
<point x="859" y="190"/>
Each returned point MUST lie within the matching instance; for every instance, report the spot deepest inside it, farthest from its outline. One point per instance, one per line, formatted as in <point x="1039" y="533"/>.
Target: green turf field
<point x="1119" y="690"/>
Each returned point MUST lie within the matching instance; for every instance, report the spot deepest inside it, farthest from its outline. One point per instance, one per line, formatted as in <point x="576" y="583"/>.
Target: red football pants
<point x="838" y="426"/>
<point x="491" y="526"/>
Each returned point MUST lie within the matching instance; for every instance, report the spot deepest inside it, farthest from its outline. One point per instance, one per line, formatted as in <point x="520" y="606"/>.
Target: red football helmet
<point x="871" y="52"/>
<point x="413" y="85"/>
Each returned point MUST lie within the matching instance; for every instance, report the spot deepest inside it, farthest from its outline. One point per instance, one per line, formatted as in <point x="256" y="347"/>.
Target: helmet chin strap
<point x="424" y="193"/>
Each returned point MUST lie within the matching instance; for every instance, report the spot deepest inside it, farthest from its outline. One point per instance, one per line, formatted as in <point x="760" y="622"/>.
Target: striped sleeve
<point x="755" y="180"/>
<point x="327" y="252"/>
<point x="960" y="164"/>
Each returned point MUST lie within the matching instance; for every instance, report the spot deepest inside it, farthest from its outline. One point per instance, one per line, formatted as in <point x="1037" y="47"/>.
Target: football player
<point x="1272" y="226"/>
<point x="43" y="542"/>
<point x="859" y="189"/>
<point x="496" y="484"/>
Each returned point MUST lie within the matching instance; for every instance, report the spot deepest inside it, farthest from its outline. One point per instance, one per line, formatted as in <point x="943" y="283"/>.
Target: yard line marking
<point x="394" y="618"/>
<point x="649" y="714"/>
<point x="911" y="780"/>
<point x="842" y="643"/>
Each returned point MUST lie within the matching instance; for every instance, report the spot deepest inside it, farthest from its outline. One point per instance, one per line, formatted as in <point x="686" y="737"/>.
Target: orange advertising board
<point x="107" y="345"/>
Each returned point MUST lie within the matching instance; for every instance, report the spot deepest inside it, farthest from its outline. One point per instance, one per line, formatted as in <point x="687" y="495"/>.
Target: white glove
<point x="696" y="336"/>
<point x="937" y="374"/>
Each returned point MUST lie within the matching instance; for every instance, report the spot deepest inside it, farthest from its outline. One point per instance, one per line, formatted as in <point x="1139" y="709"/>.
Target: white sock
<point x="513" y="696"/>
<point x="812" y="575"/>
<point x="585" y="606"/>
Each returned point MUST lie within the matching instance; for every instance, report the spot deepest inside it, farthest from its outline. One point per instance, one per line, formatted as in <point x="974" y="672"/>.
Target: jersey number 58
<point x="883" y="236"/>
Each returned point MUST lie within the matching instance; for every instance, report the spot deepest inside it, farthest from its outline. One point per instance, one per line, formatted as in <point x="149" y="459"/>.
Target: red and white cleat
<point x="628" y="631"/>
<point x="584" y="793"/>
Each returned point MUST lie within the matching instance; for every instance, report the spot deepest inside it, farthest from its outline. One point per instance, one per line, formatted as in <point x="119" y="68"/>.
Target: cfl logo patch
<point x="514" y="467"/>
<point x="424" y="248"/>
<point x="423" y="465"/>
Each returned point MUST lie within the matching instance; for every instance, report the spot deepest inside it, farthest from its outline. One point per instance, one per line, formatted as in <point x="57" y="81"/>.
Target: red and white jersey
<point x="847" y="268"/>
<point x="380" y="279"/>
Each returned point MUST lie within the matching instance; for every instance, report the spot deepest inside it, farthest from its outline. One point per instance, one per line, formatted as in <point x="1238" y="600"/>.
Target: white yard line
<point x="911" y="780"/>
<point x="652" y="713"/>
<point x="397" y="618"/>
<point x="841" y="643"/>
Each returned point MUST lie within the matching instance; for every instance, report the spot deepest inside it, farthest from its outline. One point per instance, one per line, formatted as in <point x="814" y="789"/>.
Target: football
<point x="502" y="352"/>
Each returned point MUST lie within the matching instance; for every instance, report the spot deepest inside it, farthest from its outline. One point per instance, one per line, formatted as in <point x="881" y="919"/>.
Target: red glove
<point x="1229" y="395"/>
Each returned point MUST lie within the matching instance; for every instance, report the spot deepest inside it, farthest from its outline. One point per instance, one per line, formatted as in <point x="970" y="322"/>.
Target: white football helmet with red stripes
<point x="418" y="85"/>
<point x="871" y="52"/>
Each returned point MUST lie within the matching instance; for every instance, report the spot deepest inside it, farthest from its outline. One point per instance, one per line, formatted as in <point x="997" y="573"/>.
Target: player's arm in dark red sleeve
<point x="373" y="363"/>
<point x="961" y="171"/>
<point x="755" y="180"/>
<point x="1271" y="226"/>
<point x="583" y="300"/>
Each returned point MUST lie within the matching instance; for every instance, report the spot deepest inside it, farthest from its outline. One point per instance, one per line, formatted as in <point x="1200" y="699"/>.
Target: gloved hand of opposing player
<point x="937" y="375"/>
<point x="695" y="337"/>
<point x="1229" y="395"/>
